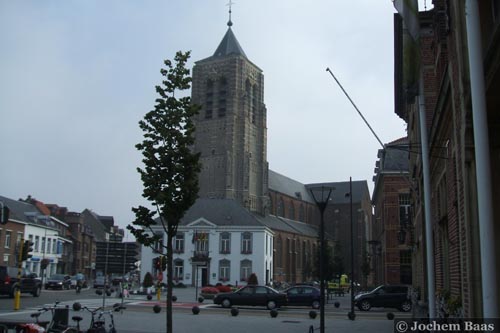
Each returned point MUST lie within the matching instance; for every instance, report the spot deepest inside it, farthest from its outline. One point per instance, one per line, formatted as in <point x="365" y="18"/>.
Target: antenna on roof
<point x="230" y="3"/>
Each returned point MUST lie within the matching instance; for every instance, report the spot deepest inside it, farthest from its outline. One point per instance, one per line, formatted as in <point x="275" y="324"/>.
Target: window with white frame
<point x="201" y="239"/>
<point x="179" y="243"/>
<point x="7" y="239"/>
<point x="19" y="237"/>
<point x="37" y="244"/>
<point x="224" y="270"/>
<point x="246" y="243"/>
<point x="245" y="269"/>
<point x="49" y="245"/>
<point x="225" y="243"/>
<point x="178" y="269"/>
<point x="158" y="246"/>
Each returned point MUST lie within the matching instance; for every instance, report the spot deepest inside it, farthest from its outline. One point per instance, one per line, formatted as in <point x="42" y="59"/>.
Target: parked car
<point x="100" y="282"/>
<point x="9" y="283"/>
<point x="79" y="277"/>
<point x="116" y="279"/>
<point x="58" y="281"/>
<point x="303" y="295"/>
<point x="385" y="296"/>
<point x="253" y="296"/>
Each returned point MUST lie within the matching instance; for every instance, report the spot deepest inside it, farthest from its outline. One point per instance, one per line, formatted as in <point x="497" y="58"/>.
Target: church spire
<point x="229" y="44"/>
<point x="230" y="23"/>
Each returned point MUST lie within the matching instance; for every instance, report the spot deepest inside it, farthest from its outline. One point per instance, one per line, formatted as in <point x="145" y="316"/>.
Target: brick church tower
<point x="231" y="132"/>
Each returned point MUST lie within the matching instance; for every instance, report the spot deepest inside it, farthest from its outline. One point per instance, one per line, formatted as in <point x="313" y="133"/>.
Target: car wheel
<point x="365" y="305"/>
<point x="315" y="305"/>
<point x="37" y="292"/>
<point x="405" y="306"/>
<point x="271" y="305"/>
<point x="226" y="303"/>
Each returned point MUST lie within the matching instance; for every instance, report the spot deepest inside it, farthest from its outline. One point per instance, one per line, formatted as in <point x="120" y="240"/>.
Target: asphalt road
<point x="139" y="316"/>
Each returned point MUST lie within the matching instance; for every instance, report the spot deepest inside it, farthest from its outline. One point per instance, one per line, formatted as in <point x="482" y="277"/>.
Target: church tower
<point x="231" y="132"/>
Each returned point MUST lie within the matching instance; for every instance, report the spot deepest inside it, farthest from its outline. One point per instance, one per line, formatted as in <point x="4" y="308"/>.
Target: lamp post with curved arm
<point x="322" y="194"/>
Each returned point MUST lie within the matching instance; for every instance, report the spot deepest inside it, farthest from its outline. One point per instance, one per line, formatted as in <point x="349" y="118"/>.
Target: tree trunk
<point x="169" y="280"/>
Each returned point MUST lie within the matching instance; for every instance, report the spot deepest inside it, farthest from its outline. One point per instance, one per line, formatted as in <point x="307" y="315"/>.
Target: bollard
<point x="156" y="308"/>
<point x="195" y="310"/>
<point x="312" y="314"/>
<point x="234" y="312"/>
<point x="17" y="299"/>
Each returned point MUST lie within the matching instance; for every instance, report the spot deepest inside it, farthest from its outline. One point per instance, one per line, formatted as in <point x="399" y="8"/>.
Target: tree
<point x="252" y="279"/>
<point x="328" y="262"/>
<point x="365" y="267"/>
<point x="338" y="267"/>
<point x="170" y="173"/>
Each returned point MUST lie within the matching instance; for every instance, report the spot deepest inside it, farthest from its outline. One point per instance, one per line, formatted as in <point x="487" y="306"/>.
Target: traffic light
<point x="4" y="214"/>
<point x="163" y="260"/>
<point x="27" y="248"/>
<point x="157" y="263"/>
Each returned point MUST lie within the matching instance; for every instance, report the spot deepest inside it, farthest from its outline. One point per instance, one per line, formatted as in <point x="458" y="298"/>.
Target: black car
<point x="385" y="296"/>
<point x="9" y="283"/>
<point x="303" y="295"/>
<point x="253" y="296"/>
<point x="58" y="281"/>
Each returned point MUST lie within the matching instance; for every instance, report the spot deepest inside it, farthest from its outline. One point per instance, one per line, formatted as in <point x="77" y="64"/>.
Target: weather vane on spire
<point x="230" y="3"/>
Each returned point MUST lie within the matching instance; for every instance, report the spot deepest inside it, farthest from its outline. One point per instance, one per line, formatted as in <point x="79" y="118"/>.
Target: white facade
<point x="47" y="244"/>
<point x="209" y="254"/>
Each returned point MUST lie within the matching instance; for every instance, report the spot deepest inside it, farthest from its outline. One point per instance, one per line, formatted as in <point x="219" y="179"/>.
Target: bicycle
<point x="97" y="325"/>
<point x="57" y="324"/>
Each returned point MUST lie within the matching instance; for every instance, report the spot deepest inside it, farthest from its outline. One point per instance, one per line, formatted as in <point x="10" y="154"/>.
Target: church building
<point x="239" y="225"/>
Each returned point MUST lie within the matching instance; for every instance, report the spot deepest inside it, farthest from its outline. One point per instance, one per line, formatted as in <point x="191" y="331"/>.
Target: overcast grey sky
<point x="76" y="76"/>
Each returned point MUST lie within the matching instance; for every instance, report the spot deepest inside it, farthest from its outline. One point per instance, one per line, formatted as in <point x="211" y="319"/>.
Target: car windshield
<point x="57" y="277"/>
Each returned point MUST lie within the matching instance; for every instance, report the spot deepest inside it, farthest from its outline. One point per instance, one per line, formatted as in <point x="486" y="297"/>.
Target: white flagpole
<point x="483" y="169"/>
<point x="431" y="283"/>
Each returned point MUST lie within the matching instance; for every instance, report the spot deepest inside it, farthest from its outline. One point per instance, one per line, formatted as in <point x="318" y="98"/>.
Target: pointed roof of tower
<point x="229" y="45"/>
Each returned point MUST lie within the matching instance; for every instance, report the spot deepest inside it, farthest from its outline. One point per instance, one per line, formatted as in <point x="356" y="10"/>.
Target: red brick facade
<point x="454" y="209"/>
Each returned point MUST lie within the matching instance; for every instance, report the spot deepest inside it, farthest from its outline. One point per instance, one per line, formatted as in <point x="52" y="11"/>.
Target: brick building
<point x="453" y="176"/>
<point x="392" y="237"/>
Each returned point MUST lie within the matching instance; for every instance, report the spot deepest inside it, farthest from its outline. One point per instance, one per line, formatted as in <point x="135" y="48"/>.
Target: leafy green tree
<point x="170" y="173"/>
<point x="365" y="267"/>
<point x="252" y="279"/>
<point x="338" y="267"/>
<point x="328" y="260"/>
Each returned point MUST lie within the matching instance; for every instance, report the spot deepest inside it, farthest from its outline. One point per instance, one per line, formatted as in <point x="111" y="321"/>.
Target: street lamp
<point x="321" y="194"/>
<point x="351" y="314"/>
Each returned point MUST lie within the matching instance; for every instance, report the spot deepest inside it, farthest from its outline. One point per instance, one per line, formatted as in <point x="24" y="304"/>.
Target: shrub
<point x="252" y="279"/>
<point x="209" y="290"/>
<point x="224" y="289"/>
<point x="148" y="280"/>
